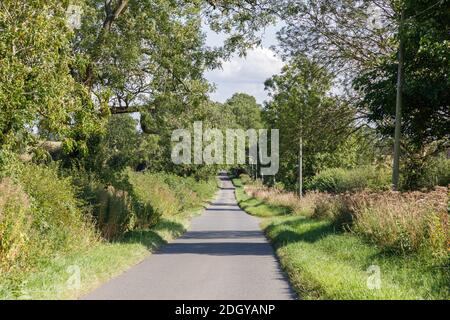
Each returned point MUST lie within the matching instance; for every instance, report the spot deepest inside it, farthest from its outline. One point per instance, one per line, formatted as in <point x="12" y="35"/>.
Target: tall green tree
<point x="310" y="121"/>
<point x="246" y="110"/>
<point x="36" y="85"/>
<point x="425" y="124"/>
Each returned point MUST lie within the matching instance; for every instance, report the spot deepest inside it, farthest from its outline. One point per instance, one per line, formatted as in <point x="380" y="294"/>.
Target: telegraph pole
<point x="300" y="168"/>
<point x="398" y="107"/>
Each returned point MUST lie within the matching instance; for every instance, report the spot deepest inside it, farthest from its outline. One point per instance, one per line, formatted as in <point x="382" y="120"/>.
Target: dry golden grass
<point x="304" y="206"/>
<point x="402" y="222"/>
<point x="406" y="222"/>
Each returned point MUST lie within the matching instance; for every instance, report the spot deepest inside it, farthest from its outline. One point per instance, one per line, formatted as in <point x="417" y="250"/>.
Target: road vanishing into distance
<point x="224" y="255"/>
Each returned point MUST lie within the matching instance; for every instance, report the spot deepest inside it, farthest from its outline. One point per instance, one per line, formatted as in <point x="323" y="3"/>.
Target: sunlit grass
<point x="97" y="265"/>
<point x="323" y="263"/>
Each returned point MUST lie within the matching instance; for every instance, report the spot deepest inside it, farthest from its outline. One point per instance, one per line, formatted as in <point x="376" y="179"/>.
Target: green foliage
<point x="339" y="180"/>
<point x="40" y="216"/>
<point x="113" y="150"/>
<point x="150" y="189"/>
<point x="312" y="250"/>
<point x="246" y="111"/>
<point x="245" y="178"/>
<point x="137" y="201"/>
<point x="423" y="171"/>
<point x="191" y="193"/>
<point x="15" y="224"/>
<point x="36" y="86"/>
<point x="425" y="93"/>
<point x="99" y="263"/>
<point x="301" y="108"/>
<point x="57" y="213"/>
<point x="325" y="264"/>
<point x="437" y="172"/>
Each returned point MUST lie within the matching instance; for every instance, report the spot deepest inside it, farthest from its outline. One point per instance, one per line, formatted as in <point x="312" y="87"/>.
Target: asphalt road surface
<point x="224" y="255"/>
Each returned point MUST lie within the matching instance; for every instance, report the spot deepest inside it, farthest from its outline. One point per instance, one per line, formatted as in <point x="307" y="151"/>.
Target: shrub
<point x="114" y="212"/>
<point x="204" y="189"/>
<point x="245" y="178"/>
<point x="152" y="198"/>
<point x="15" y="224"/>
<point x="279" y="186"/>
<point x="339" y="180"/>
<point x="112" y="207"/>
<point x="436" y="173"/>
<point x="58" y="214"/>
<point x="40" y="216"/>
<point x="133" y="200"/>
<point x="183" y="189"/>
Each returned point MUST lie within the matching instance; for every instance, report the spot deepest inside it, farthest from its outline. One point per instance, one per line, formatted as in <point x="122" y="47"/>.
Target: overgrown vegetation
<point x="397" y="222"/>
<point x="338" y="180"/>
<point x="76" y="169"/>
<point x="40" y="216"/>
<point x="43" y="219"/>
<point x="324" y="261"/>
<point x="97" y="264"/>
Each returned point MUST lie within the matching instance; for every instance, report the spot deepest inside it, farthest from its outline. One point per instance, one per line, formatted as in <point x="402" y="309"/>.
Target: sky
<point x="246" y="74"/>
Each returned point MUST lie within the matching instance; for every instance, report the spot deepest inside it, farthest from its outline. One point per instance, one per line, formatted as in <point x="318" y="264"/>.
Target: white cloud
<point x="245" y="74"/>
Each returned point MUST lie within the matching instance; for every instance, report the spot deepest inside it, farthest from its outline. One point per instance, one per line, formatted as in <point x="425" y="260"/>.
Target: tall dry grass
<point x="15" y="224"/>
<point x="400" y="222"/>
<point x="403" y="222"/>
<point x="276" y="197"/>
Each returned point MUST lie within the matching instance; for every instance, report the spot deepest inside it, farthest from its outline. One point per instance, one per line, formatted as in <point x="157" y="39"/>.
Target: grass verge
<point x="58" y="278"/>
<point x="323" y="263"/>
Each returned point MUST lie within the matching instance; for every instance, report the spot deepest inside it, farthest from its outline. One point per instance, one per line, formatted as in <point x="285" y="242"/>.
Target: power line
<point x="440" y="2"/>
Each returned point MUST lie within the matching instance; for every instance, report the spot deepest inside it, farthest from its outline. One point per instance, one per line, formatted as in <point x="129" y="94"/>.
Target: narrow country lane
<point x="224" y="256"/>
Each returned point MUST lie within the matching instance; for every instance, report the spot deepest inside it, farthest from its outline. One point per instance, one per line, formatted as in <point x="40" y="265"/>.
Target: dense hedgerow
<point x="136" y="200"/>
<point x="337" y="180"/>
<point x="44" y="213"/>
<point x="40" y="216"/>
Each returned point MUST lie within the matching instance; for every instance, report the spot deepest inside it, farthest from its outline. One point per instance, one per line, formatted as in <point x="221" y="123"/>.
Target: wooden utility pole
<point x="300" y="168"/>
<point x="398" y="107"/>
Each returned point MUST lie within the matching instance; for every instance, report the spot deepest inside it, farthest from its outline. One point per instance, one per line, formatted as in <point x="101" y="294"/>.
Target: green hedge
<point x="40" y="216"/>
<point x="136" y="200"/>
<point x="339" y="180"/>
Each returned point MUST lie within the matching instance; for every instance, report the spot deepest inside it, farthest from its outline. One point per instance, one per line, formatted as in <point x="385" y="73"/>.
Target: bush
<point x="40" y="216"/>
<point x="167" y="194"/>
<point x="339" y="180"/>
<point x="111" y="205"/>
<point x="245" y="178"/>
<point x="133" y="200"/>
<point x="184" y="190"/>
<point x="57" y="212"/>
<point x="151" y="191"/>
<point x="205" y="189"/>
<point x="15" y="224"/>
<point x="436" y="173"/>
